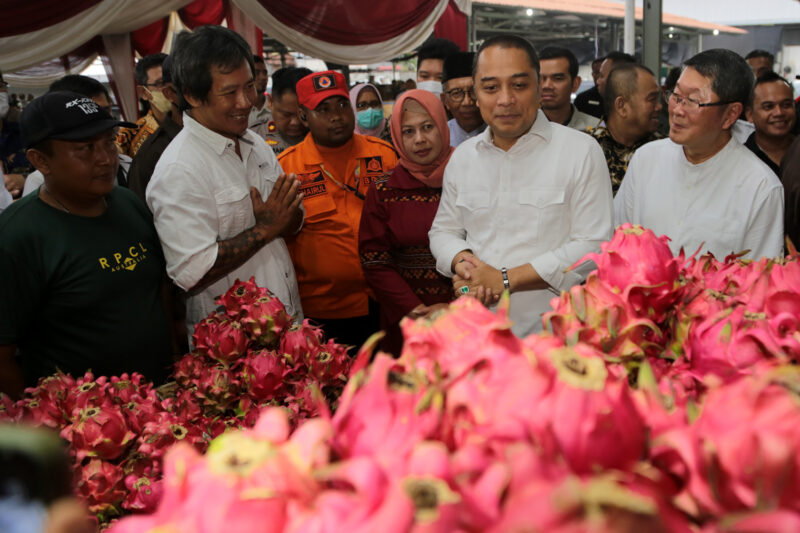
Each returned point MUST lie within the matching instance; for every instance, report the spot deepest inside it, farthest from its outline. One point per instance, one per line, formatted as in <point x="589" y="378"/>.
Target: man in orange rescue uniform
<point x="336" y="167"/>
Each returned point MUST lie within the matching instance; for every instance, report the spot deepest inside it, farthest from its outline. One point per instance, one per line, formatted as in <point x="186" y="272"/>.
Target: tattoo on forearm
<point x="232" y="253"/>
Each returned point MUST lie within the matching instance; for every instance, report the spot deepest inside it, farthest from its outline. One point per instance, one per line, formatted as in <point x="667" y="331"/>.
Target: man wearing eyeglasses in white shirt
<point x="697" y="187"/>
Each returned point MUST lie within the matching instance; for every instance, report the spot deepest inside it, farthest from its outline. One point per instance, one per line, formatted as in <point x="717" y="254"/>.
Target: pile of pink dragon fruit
<point x="663" y="397"/>
<point x="248" y="355"/>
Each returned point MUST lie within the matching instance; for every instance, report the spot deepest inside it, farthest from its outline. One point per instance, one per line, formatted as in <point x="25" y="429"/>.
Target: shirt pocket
<point x="541" y="210"/>
<point x="474" y="210"/>
<point x="722" y="235"/>
<point x="234" y="212"/>
<point x="318" y="207"/>
<point x="472" y="201"/>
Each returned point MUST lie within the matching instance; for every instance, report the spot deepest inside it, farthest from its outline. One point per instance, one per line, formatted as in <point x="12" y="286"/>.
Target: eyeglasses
<point x="458" y="95"/>
<point x="158" y="84"/>
<point x="688" y="103"/>
<point x="3" y="85"/>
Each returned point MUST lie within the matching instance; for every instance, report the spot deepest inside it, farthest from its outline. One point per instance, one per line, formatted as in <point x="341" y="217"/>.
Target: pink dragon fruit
<point x="47" y="403"/>
<point x="221" y="339"/>
<point x="496" y="401"/>
<point x="306" y="400"/>
<point x="740" y="453"/>
<point x="592" y="419"/>
<point x="100" y="484"/>
<point x="776" y="521"/>
<point x="596" y="314"/>
<point x="217" y="387"/>
<point x="241" y="293"/>
<point x="184" y="405"/>
<point x="327" y="361"/>
<point x="384" y="412"/>
<point x="459" y="337"/>
<point x="99" y="432"/>
<point x="263" y="374"/>
<point x="130" y="388"/>
<point x="361" y="498"/>
<point x="300" y="339"/>
<point x="188" y="368"/>
<point x="730" y="344"/>
<point x="138" y="413"/>
<point x="165" y="430"/>
<point x="642" y="268"/>
<point x="265" y="319"/>
<point x="144" y="492"/>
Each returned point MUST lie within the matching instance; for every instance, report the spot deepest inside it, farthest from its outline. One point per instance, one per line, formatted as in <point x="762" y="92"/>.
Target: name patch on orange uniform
<point x="312" y="184"/>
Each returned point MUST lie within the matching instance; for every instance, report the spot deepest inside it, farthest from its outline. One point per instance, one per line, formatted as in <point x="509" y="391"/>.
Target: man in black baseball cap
<point x="81" y="268"/>
<point x="59" y="119"/>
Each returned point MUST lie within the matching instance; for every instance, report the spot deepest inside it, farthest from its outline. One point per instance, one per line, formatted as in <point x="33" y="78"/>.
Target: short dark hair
<point x="436" y="49"/>
<point x="285" y="79"/>
<point x="558" y="52"/>
<point x="617" y="57"/>
<point x="196" y="52"/>
<point x="258" y="59"/>
<point x="731" y="77"/>
<point x="760" y="53"/>
<point x="767" y="77"/>
<point x="509" y="41"/>
<point x="84" y="85"/>
<point x="145" y="64"/>
<point x="672" y="78"/>
<point x="623" y="80"/>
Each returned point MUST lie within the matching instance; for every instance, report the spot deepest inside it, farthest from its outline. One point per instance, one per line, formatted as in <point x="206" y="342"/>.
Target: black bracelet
<point x="506" y="283"/>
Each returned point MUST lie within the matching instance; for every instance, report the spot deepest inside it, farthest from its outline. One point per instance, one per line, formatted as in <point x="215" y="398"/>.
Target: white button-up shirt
<point x="200" y="194"/>
<point x="729" y="203"/>
<point x="458" y="135"/>
<point x="546" y="201"/>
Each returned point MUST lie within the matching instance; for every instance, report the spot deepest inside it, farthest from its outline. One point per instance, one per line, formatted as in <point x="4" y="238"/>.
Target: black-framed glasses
<point x="457" y="95"/>
<point x="690" y="103"/>
<point x="158" y="84"/>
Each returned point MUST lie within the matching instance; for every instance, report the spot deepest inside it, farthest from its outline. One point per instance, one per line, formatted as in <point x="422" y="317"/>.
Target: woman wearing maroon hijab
<point x="398" y="212"/>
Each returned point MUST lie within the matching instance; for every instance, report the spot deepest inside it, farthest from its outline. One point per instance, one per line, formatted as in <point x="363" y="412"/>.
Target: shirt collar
<point x="711" y="161"/>
<point x="217" y="142"/>
<point x="312" y="156"/>
<point x="541" y="128"/>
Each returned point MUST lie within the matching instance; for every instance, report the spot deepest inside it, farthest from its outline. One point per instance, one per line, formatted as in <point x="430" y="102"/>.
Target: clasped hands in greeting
<point x="477" y="279"/>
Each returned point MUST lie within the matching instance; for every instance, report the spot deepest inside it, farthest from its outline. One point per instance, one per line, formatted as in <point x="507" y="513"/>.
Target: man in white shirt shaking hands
<point x="525" y="199"/>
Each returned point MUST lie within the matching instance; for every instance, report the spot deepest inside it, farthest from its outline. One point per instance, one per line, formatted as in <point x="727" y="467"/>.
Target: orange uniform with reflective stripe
<point x="325" y="252"/>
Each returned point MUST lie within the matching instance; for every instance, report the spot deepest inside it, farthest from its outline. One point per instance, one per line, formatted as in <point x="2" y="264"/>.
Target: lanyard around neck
<point x="345" y="186"/>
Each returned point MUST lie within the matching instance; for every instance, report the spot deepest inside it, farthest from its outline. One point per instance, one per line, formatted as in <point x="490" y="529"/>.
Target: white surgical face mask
<point x="3" y="104"/>
<point x="431" y="86"/>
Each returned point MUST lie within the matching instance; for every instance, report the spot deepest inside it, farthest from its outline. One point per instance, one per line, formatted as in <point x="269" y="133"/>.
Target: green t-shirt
<point x="80" y="293"/>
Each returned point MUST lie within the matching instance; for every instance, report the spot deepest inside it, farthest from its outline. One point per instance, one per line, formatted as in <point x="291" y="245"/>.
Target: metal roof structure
<point x="590" y="28"/>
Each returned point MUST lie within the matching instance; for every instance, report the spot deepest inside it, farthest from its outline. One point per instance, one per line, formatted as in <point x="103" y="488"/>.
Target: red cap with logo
<point x="316" y="87"/>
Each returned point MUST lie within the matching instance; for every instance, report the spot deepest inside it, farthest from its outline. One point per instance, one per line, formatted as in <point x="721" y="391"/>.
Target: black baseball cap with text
<point x="65" y="116"/>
